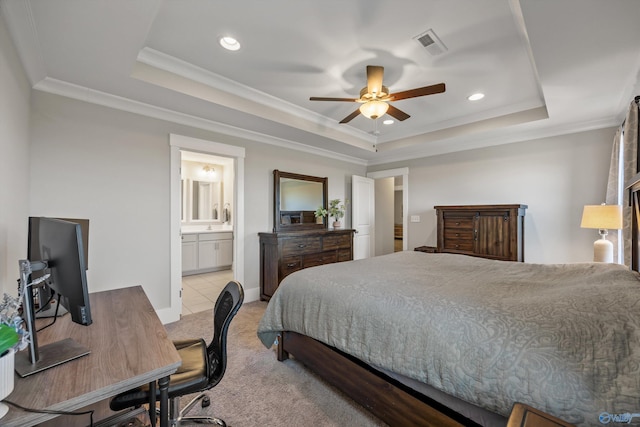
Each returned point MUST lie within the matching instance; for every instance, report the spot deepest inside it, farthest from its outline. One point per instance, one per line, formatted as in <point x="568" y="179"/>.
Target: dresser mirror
<point x="296" y="198"/>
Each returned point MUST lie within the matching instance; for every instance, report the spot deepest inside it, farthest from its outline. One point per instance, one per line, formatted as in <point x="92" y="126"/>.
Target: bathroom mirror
<point x="296" y="198"/>
<point x="205" y="201"/>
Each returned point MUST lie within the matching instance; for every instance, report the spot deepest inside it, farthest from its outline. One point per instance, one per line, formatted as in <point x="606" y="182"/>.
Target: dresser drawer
<point x="344" y="255"/>
<point x="458" y="234"/>
<point x="289" y="265"/>
<point x="458" y="223"/>
<point x="321" y="258"/>
<point x="301" y="246"/>
<point x="336" y="241"/>
<point x="458" y="244"/>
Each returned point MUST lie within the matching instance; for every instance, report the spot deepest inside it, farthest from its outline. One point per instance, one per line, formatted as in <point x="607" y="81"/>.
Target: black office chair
<point x="202" y="366"/>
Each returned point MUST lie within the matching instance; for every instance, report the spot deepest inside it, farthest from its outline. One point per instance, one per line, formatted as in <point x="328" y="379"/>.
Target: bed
<point x="447" y="340"/>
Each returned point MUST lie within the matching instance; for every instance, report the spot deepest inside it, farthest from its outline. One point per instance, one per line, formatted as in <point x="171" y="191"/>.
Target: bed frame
<point x="386" y="398"/>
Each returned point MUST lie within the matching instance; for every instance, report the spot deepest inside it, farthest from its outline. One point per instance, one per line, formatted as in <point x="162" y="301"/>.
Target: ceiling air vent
<point x="431" y="42"/>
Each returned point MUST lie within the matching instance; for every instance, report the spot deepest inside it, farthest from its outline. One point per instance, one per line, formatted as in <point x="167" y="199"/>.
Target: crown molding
<point x="184" y="77"/>
<point x="490" y="139"/>
<point x="92" y="96"/>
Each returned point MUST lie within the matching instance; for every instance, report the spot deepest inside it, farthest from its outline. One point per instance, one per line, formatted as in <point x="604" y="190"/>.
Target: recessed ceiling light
<point x="388" y="122"/>
<point x="229" y="43"/>
<point x="476" y="97"/>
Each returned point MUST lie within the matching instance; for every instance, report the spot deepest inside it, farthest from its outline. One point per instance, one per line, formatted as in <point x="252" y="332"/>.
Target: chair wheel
<point x="206" y="401"/>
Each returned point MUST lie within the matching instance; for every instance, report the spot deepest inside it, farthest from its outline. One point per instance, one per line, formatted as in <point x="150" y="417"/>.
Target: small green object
<point x="8" y="338"/>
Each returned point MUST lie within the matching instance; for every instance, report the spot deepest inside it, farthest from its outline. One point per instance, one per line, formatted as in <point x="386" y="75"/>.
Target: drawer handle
<point x="457" y="223"/>
<point x="457" y="246"/>
<point x="457" y="234"/>
<point x="301" y="245"/>
<point x="292" y="264"/>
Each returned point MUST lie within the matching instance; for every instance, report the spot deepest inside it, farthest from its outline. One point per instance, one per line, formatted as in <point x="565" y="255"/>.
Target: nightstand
<point x="525" y="416"/>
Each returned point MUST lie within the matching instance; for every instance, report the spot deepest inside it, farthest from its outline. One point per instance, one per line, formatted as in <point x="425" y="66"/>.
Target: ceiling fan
<point x="375" y="97"/>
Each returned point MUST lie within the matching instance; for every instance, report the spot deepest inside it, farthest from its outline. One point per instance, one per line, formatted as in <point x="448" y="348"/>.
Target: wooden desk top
<point x="129" y="347"/>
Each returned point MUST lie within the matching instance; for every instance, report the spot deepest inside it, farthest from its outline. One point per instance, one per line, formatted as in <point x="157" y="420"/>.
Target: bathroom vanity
<point x="206" y="250"/>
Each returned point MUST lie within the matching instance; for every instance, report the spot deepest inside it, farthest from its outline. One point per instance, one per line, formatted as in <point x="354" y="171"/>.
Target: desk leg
<point x="152" y="403"/>
<point x="163" y="383"/>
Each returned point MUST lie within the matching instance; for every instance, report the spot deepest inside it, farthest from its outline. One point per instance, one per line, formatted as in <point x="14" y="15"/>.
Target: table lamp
<point x="602" y="217"/>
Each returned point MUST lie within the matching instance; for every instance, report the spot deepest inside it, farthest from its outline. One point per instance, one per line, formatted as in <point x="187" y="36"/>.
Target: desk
<point x="129" y="347"/>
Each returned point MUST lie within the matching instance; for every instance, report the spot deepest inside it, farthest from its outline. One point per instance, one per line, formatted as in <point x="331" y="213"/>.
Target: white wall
<point x="113" y="168"/>
<point x="14" y="162"/>
<point x="554" y="176"/>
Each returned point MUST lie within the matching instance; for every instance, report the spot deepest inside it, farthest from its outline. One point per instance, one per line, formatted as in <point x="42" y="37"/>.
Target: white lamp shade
<point x="604" y="217"/>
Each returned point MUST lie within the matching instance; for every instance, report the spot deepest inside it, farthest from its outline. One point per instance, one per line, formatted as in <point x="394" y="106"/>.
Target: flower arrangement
<point x="12" y="334"/>
<point x="337" y="209"/>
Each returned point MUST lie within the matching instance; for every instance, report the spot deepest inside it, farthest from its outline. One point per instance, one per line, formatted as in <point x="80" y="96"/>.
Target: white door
<point x="363" y="216"/>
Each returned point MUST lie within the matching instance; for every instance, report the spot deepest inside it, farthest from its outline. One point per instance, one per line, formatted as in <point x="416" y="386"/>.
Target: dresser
<point x="282" y="253"/>
<point x="488" y="231"/>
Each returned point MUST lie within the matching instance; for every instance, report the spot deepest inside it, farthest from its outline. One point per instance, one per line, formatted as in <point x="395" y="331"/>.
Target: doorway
<point x="392" y="203"/>
<point x="207" y="228"/>
<point x="234" y="155"/>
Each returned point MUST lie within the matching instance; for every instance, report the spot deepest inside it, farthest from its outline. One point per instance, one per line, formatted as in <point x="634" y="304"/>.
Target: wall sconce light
<point x="602" y="217"/>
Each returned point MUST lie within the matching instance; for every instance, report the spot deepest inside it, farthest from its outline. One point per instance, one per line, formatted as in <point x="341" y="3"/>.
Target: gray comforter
<point x="562" y="338"/>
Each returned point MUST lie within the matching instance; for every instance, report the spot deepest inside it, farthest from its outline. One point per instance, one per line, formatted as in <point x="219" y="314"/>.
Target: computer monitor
<point x="61" y="247"/>
<point x="44" y="293"/>
<point x="61" y="253"/>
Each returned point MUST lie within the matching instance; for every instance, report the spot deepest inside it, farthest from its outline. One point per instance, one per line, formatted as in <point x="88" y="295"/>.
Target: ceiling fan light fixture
<point x="229" y="43"/>
<point x="374" y="109"/>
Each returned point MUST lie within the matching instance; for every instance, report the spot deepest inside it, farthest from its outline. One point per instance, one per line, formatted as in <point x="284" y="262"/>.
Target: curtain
<point x="623" y="167"/>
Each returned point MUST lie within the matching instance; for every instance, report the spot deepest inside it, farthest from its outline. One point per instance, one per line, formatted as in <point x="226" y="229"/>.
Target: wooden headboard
<point x="634" y="200"/>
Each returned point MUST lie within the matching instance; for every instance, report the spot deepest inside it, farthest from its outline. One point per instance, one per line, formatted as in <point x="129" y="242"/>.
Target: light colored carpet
<point x="257" y="390"/>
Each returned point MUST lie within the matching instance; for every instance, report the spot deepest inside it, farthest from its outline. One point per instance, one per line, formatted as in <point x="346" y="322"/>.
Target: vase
<point x="337" y="224"/>
<point x="6" y="378"/>
<point x="319" y="220"/>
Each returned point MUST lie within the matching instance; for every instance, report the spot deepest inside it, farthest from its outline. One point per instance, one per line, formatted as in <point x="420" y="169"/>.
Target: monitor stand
<point x="38" y="358"/>
<point x="50" y="355"/>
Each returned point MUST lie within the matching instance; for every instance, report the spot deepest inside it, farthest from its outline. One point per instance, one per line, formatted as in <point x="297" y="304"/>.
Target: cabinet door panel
<point x="493" y="236"/>
<point x="189" y="256"/>
<point x="207" y="254"/>
<point x="225" y="252"/>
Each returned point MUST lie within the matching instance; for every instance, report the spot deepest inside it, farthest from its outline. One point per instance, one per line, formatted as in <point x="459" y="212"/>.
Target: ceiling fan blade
<point x="319" y="98"/>
<point x="375" y="74"/>
<point x="421" y="91"/>
<point x="397" y="114"/>
<point x="350" y="116"/>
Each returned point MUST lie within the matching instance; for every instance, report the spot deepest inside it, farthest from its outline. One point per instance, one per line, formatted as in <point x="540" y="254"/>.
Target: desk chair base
<point x="181" y="419"/>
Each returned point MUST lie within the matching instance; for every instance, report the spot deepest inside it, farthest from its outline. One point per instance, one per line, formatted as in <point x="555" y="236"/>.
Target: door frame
<point x="178" y="143"/>
<point x="404" y="172"/>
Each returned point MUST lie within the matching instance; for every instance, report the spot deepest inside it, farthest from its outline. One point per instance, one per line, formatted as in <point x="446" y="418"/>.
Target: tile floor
<point x="200" y="291"/>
